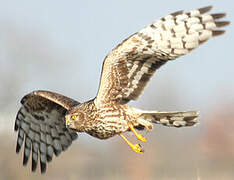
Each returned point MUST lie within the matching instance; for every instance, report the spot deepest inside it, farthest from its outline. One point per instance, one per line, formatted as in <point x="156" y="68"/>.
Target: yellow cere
<point x="67" y="121"/>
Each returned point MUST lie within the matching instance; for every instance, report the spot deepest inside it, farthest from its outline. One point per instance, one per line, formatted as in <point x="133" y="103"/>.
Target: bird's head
<point x="75" y="119"/>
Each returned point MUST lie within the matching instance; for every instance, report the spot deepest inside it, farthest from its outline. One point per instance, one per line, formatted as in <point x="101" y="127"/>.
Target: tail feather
<point x="171" y="119"/>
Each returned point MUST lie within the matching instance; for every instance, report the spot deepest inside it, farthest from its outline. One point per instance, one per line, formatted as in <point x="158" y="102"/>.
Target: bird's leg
<point x="139" y="136"/>
<point x="135" y="147"/>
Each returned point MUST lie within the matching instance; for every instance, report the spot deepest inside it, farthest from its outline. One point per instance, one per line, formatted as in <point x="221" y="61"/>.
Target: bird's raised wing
<point x="40" y="123"/>
<point x="128" y="68"/>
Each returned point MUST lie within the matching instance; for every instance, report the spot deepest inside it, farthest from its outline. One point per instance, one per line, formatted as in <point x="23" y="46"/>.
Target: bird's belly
<point x="106" y="129"/>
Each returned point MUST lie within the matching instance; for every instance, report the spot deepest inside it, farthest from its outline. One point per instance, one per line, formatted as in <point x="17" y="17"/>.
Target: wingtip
<point x="222" y="23"/>
<point x="18" y="147"/>
<point x="218" y="15"/>
<point x="16" y="127"/>
<point x="43" y="168"/>
<point x="218" y="32"/>
<point x="25" y="160"/>
<point x="34" y="166"/>
<point x="177" y="13"/>
<point x="205" y="9"/>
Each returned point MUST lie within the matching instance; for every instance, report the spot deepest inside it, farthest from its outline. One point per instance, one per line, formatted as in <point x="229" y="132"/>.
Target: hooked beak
<point x="67" y="121"/>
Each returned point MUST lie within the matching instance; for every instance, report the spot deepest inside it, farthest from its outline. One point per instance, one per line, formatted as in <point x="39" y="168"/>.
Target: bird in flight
<point x="48" y="122"/>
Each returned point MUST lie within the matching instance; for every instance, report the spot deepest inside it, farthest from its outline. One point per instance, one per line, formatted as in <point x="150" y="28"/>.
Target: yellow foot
<point x="139" y="136"/>
<point x="135" y="147"/>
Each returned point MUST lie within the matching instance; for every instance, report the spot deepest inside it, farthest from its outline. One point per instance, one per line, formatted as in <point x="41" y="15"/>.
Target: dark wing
<point x="40" y="123"/>
<point x="128" y="68"/>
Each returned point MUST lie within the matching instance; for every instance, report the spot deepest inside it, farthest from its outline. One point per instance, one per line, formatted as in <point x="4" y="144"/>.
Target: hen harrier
<point x="47" y="122"/>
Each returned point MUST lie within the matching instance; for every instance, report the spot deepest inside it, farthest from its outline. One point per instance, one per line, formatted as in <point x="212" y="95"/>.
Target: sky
<point x="88" y="30"/>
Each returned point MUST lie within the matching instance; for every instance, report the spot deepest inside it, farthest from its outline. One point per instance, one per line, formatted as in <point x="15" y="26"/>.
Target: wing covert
<point x="40" y="123"/>
<point x="128" y="68"/>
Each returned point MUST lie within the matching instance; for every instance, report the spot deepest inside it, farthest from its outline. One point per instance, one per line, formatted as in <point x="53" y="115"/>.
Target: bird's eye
<point x="74" y="117"/>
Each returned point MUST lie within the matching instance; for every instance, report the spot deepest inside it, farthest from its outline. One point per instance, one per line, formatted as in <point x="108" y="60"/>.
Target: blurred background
<point x="60" y="45"/>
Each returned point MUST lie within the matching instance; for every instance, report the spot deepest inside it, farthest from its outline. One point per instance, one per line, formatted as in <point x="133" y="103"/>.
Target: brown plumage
<point x="48" y="122"/>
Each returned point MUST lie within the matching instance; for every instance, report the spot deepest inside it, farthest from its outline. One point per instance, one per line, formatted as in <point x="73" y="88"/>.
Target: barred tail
<point x="171" y="119"/>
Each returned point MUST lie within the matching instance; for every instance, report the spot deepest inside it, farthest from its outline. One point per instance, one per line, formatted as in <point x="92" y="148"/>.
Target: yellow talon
<point x="139" y="136"/>
<point x="135" y="147"/>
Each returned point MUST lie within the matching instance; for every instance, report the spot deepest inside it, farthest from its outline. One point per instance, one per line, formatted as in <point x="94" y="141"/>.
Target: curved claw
<point x="137" y="148"/>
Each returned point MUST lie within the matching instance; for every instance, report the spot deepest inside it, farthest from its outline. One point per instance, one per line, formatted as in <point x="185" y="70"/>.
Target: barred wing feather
<point x="40" y="123"/>
<point x="128" y="68"/>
